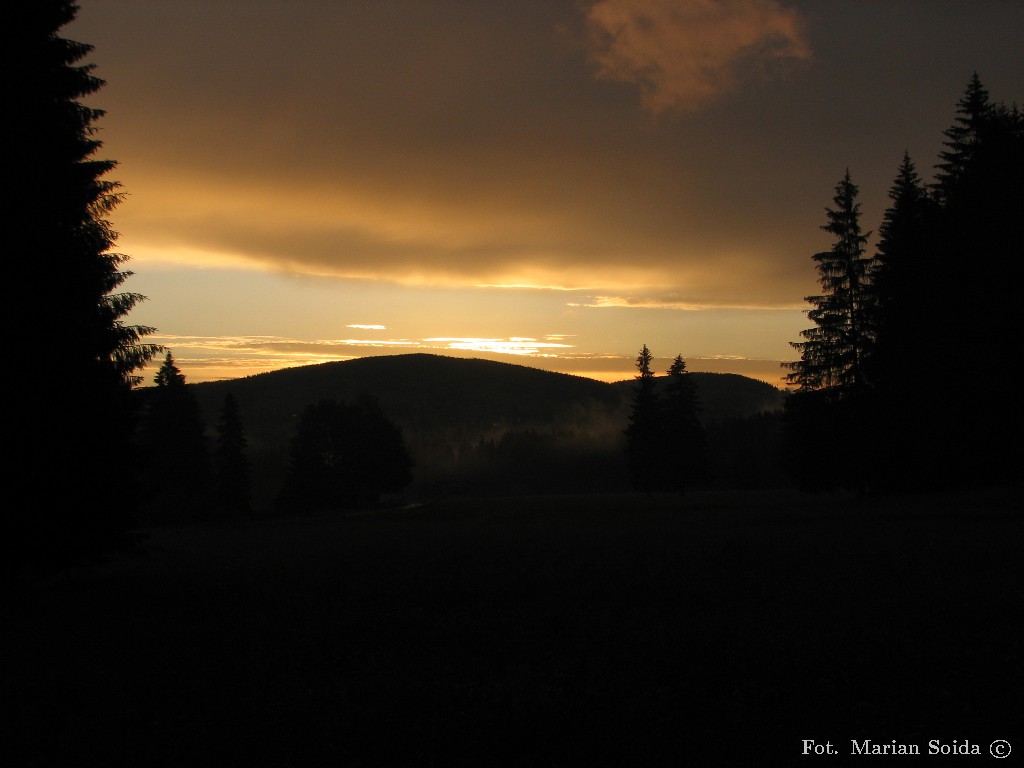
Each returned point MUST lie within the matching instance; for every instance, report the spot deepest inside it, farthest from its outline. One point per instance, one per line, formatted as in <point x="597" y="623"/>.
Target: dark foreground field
<point x="582" y="631"/>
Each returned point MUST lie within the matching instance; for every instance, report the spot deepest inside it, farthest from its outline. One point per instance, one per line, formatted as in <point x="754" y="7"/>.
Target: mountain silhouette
<point x="448" y="407"/>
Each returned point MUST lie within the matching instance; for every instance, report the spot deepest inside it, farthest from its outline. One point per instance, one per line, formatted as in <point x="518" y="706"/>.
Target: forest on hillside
<point x="418" y="560"/>
<point x="871" y="406"/>
<point x="467" y="426"/>
<point x="902" y="382"/>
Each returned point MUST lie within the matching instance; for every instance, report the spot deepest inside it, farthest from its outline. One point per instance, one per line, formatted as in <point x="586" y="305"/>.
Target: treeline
<point x="199" y="463"/>
<point x="666" y="447"/>
<point x="672" y="444"/>
<point x="342" y="456"/>
<point x="71" y="482"/>
<point x="905" y="380"/>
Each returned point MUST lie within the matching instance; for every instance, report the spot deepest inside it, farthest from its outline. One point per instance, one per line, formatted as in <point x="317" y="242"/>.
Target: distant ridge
<point x="419" y="388"/>
<point x="415" y="389"/>
<point x="447" y="407"/>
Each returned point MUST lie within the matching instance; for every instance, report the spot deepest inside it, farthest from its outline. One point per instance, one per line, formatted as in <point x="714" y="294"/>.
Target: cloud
<point x="208" y="358"/>
<point x="650" y="247"/>
<point x="451" y="151"/>
<point x="516" y="345"/>
<point x="682" y="53"/>
<point x="656" y="299"/>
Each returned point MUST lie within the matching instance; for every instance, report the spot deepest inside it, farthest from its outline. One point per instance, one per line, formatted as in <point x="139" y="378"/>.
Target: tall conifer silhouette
<point x="907" y="277"/>
<point x="826" y="414"/>
<point x="76" y="355"/>
<point x="963" y="139"/>
<point x="176" y="449"/>
<point x="940" y="288"/>
<point x="232" y="481"/>
<point x="643" y="449"/>
<point x="981" y="257"/>
<point x="833" y="350"/>
<point x="685" y="443"/>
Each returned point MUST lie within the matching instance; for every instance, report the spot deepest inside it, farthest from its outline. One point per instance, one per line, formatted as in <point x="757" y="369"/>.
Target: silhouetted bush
<point x="344" y="456"/>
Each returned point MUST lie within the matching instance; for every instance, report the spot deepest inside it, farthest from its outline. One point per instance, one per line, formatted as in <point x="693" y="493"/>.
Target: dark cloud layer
<point x="514" y="141"/>
<point x="666" y="152"/>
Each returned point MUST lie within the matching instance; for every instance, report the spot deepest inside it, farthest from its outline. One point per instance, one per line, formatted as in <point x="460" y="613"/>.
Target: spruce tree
<point x="176" y="449"/>
<point x="684" y="442"/>
<point x="979" y="261"/>
<point x="902" y="258"/>
<point x="73" y="459"/>
<point x="643" y="434"/>
<point x="937" y="289"/>
<point x="962" y="140"/>
<point x="232" y="481"/>
<point x="906" y="279"/>
<point x="833" y="351"/>
<point x="826" y="415"/>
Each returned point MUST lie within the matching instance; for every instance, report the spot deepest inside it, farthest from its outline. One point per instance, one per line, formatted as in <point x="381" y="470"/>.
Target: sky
<point x="552" y="183"/>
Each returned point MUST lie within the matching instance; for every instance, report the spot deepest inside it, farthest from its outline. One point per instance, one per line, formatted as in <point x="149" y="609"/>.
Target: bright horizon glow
<point x="546" y="182"/>
<point x="205" y="359"/>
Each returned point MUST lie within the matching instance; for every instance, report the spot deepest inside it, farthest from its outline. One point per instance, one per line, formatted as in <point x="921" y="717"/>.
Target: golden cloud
<point x="682" y="53"/>
<point x="430" y="240"/>
<point x="507" y="175"/>
<point x="655" y="299"/>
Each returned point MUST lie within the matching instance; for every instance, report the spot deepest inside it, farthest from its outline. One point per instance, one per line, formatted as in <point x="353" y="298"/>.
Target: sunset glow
<point x="550" y="183"/>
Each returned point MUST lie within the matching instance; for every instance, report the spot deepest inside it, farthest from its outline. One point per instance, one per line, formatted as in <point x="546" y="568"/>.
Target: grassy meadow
<point x="715" y="629"/>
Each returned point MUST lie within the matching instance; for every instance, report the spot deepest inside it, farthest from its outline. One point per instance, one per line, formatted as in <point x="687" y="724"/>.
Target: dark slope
<point x="726" y="395"/>
<point x="459" y="414"/>
<point x="421" y="392"/>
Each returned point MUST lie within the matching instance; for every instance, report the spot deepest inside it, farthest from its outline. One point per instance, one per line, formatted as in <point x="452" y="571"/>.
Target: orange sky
<point x="551" y="183"/>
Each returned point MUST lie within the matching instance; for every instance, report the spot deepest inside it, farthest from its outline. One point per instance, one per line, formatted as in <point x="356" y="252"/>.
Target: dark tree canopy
<point x="825" y="416"/>
<point x="231" y="481"/>
<point x="77" y="355"/>
<point x="685" y="444"/>
<point x="345" y="456"/>
<point x="903" y="261"/>
<point x="963" y="142"/>
<point x="666" y="447"/>
<point x="174" y="438"/>
<point x="870" y="407"/>
<point x="833" y="350"/>
<point x="643" y="451"/>
<point x="980" y="188"/>
<point x="906" y="284"/>
<point x="64" y="199"/>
